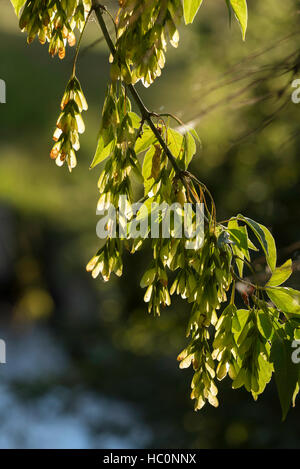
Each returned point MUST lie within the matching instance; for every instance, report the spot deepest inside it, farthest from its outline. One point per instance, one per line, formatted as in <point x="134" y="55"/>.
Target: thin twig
<point x="79" y="44"/>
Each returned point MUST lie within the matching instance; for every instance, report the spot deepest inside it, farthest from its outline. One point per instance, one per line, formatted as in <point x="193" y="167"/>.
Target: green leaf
<point x="286" y="373"/>
<point x="195" y="135"/>
<point x="189" y="148"/>
<point x="102" y="151"/>
<point x="296" y="392"/>
<point x="264" y="371"/>
<point x="191" y="8"/>
<point x="264" y="324"/>
<point x="135" y="119"/>
<point x="147" y="169"/>
<point x="239" y="321"/>
<point x="286" y="299"/>
<point x="239" y="236"/>
<point x="281" y="274"/>
<point x="241" y="13"/>
<point x="175" y="142"/>
<point x="144" y="211"/>
<point x="17" y="4"/>
<point x="266" y="240"/>
<point x="145" y="141"/>
<point x="137" y="171"/>
<point x="148" y="277"/>
<point x="252" y="246"/>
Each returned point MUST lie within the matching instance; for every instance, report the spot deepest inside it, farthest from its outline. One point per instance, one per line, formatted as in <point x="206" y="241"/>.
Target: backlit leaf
<point x="286" y="299"/>
<point x="175" y="142"/>
<point x="266" y="240"/>
<point x="241" y="13"/>
<point x="145" y="141"/>
<point x="191" y="8"/>
<point x="286" y="373"/>
<point x="281" y="274"/>
<point x="239" y="236"/>
<point x="147" y="169"/>
<point x="18" y="4"/>
<point x="102" y="151"/>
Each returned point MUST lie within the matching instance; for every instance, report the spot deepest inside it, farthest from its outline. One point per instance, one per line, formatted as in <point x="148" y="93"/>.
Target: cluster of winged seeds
<point x="143" y="27"/>
<point x="54" y="21"/>
<point x="69" y="125"/>
<point x="248" y="345"/>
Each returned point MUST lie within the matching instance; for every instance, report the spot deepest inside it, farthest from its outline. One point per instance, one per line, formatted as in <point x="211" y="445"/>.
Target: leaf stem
<point x="79" y="44"/>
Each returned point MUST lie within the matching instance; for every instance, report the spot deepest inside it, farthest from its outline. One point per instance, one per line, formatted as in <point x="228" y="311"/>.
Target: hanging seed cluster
<point x="108" y="260"/>
<point x="69" y="125"/>
<point x="118" y="132"/>
<point x="119" y="136"/>
<point x="144" y="27"/>
<point x="156" y="281"/>
<point x="248" y="345"/>
<point x="54" y="21"/>
<point x="203" y="278"/>
<point x="198" y="354"/>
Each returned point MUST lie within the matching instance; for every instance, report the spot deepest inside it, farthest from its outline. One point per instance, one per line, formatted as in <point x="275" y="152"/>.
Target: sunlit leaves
<point x="175" y="142"/>
<point x="224" y="340"/>
<point x="18" y="4"/>
<point x="191" y="8"/>
<point x="281" y="274"/>
<point x="183" y="146"/>
<point x="285" y="299"/>
<point x="145" y="140"/>
<point x="135" y="120"/>
<point x="265" y="371"/>
<point x="264" y="323"/>
<point x="239" y="321"/>
<point x="265" y="238"/>
<point x="241" y="13"/>
<point x="102" y="151"/>
<point x="286" y="372"/>
<point x="253" y="350"/>
<point x="239" y="238"/>
<point x="147" y="169"/>
<point x="118" y="126"/>
<point x="190" y="148"/>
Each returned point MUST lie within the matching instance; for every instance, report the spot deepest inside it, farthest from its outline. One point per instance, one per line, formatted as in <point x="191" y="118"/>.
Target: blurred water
<point x="53" y="415"/>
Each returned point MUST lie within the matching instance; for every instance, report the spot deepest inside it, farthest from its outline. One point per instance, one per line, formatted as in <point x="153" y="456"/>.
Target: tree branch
<point x="146" y="114"/>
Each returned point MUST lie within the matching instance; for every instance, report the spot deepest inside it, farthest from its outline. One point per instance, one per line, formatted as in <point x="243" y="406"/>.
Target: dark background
<point x="86" y="366"/>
